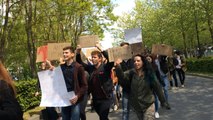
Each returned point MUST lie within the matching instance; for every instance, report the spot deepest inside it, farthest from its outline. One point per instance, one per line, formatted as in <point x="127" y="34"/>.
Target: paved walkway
<point x="194" y="102"/>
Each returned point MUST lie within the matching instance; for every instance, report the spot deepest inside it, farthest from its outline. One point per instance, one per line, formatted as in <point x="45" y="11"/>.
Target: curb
<point x="200" y="75"/>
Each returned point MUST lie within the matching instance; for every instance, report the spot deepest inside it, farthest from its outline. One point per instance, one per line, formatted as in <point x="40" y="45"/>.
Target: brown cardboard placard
<point x="137" y="48"/>
<point x="88" y="41"/>
<point x="119" y="52"/>
<point x="55" y="50"/>
<point x="41" y="55"/>
<point x="162" y="49"/>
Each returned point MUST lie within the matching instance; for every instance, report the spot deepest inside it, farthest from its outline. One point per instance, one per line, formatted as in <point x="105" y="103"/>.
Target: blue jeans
<point x="125" y="106"/>
<point x="166" y="87"/>
<point x="165" y="91"/>
<point x="174" y="77"/>
<point x="156" y="102"/>
<point x="71" y="112"/>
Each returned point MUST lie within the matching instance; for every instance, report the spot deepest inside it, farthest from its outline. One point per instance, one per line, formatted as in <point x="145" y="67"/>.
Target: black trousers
<point x="181" y="75"/>
<point x="102" y="108"/>
<point x="173" y="73"/>
<point x="49" y="114"/>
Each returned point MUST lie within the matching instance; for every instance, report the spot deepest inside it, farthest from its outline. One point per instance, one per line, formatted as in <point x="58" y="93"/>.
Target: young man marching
<point x="100" y="83"/>
<point x="75" y="80"/>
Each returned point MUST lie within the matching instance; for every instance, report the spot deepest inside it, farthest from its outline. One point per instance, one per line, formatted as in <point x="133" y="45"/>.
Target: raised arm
<point x="51" y="67"/>
<point x="105" y="55"/>
<point x="108" y="65"/>
<point x="79" y="60"/>
<point x="124" y="78"/>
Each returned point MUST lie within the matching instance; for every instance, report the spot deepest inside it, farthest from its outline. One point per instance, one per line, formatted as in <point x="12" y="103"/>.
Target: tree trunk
<point x="197" y="32"/>
<point x="78" y="29"/>
<point x="209" y="21"/>
<point x="183" y="34"/>
<point x="3" y="33"/>
<point x="184" y="43"/>
<point x="30" y="40"/>
<point x="207" y="7"/>
<point x="183" y="29"/>
<point x="211" y="31"/>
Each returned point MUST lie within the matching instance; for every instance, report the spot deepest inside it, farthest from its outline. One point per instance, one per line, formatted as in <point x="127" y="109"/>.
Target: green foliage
<point x="26" y="93"/>
<point x="204" y="65"/>
<point x="36" y="22"/>
<point x="172" y="22"/>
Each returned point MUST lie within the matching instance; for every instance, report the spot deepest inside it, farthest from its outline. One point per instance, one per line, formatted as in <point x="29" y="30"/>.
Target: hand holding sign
<point x="74" y="100"/>
<point x="117" y="62"/>
<point x="98" y="45"/>
<point x="78" y="49"/>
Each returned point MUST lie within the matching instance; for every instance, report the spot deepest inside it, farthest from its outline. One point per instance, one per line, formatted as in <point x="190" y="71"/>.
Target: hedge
<point x="203" y="65"/>
<point x="26" y="93"/>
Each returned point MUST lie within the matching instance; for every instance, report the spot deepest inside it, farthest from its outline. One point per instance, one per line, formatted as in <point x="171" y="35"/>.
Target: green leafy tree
<point x="32" y="23"/>
<point x="186" y="25"/>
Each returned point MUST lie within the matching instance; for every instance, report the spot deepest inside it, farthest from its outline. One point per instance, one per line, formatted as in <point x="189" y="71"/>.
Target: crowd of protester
<point x="136" y="84"/>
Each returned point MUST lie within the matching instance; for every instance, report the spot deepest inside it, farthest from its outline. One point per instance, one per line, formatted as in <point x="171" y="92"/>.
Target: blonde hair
<point x="5" y="76"/>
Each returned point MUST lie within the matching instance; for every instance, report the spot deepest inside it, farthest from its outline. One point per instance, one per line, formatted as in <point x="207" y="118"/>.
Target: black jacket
<point x="103" y="76"/>
<point x="9" y="107"/>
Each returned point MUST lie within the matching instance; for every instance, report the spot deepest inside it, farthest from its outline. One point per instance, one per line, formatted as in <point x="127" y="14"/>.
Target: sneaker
<point x="89" y="102"/>
<point x="111" y="110"/>
<point x="182" y="86"/>
<point x="115" y="107"/>
<point x="157" y="115"/>
<point x="175" y="88"/>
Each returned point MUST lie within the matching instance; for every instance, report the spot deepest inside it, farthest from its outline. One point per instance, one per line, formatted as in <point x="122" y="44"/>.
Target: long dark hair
<point x="4" y="75"/>
<point x="146" y="68"/>
<point x="154" y="66"/>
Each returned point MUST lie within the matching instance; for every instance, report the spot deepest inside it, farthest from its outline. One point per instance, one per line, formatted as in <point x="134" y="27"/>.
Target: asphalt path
<point x="193" y="102"/>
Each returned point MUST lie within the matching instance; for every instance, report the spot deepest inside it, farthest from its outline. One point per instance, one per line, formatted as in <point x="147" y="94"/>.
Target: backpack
<point x="164" y="67"/>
